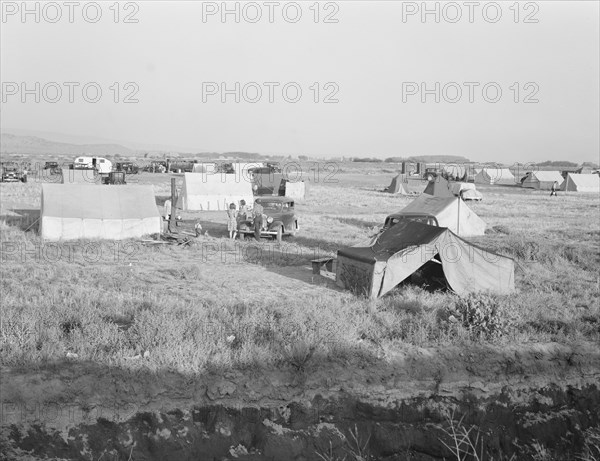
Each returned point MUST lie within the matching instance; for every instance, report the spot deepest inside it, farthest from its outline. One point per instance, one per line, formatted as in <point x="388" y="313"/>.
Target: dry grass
<point x="190" y="310"/>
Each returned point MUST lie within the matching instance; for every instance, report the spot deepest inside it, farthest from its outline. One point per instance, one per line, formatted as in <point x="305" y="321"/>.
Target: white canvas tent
<point x="77" y="211"/>
<point x="295" y="189"/>
<point x="542" y="180"/>
<point x="450" y="212"/>
<point x="581" y="183"/>
<point x="206" y="192"/>
<point x="501" y="176"/>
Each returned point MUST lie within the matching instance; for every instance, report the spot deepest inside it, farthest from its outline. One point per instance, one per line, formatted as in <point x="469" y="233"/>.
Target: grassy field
<point x="232" y="305"/>
<point x="158" y="328"/>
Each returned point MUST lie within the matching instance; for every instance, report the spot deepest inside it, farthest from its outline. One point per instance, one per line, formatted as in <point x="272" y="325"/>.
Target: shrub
<point x="484" y="315"/>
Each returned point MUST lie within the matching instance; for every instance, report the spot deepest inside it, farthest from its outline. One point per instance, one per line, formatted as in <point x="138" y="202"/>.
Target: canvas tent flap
<point x="210" y="192"/>
<point x="75" y="211"/>
<point x="470" y="269"/>
<point x="404" y="248"/>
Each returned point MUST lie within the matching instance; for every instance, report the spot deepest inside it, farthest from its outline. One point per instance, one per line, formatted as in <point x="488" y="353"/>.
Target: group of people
<point x="235" y="217"/>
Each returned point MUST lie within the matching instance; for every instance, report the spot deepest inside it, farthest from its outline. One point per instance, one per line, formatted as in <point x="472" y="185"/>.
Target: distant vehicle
<point x="12" y="172"/>
<point x="466" y="191"/>
<point x="157" y="166"/>
<point x="50" y="165"/>
<point x="114" y="177"/>
<point x="174" y="166"/>
<point x="431" y="173"/>
<point x="100" y="164"/>
<point x="127" y="167"/>
<point x="280" y="218"/>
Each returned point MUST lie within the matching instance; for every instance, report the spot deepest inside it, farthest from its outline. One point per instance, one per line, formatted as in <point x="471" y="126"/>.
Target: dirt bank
<point x="545" y="393"/>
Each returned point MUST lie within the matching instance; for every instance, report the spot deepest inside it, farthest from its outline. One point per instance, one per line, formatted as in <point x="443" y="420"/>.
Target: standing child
<point x="232" y="221"/>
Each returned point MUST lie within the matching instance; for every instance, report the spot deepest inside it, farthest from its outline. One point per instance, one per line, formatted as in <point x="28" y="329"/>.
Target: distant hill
<point x="429" y="159"/>
<point x="14" y="144"/>
<point x="439" y="159"/>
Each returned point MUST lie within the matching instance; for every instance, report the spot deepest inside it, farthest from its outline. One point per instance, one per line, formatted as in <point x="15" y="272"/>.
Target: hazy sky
<point x="375" y="58"/>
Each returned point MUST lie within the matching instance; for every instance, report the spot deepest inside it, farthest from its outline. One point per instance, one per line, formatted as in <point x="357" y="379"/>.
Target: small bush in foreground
<point x="483" y="315"/>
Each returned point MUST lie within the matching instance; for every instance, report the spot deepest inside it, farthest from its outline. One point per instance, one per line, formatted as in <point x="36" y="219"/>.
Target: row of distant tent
<point x="543" y="180"/>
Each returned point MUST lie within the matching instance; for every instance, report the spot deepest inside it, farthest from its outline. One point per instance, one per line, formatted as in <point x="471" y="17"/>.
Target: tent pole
<point x="172" y="217"/>
<point x="458" y="218"/>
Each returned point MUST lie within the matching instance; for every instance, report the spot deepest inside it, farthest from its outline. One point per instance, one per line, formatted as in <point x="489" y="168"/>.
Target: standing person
<point x="554" y="189"/>
<point x="168" y="207"/>
<point x="243" y="209"/>
<point x="232" y="223"/>
<point x="258" y="220"/>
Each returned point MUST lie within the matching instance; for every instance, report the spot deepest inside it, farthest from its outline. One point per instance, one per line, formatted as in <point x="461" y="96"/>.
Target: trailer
<point x="100" y="164"/>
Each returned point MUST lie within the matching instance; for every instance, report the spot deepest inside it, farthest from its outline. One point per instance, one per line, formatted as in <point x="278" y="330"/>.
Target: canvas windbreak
<point x="75" y="211"/>
<point x="213" y="192"/>
<point x="406" y="247"/>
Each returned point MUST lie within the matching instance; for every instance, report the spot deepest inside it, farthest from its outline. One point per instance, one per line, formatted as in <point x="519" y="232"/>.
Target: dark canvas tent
<point x="397" y="186"/>
<point x="408" y="246"/>
<point x="439" y="187"/>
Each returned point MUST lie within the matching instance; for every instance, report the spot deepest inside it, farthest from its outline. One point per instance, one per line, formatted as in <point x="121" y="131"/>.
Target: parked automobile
<point x="127" y="167"/>
<point x="422" y="218"/>
<point x="12" y="172"/>
<point x="279" y="218"/>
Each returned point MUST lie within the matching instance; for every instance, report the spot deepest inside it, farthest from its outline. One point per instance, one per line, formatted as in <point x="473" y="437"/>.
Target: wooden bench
<point x="317" y="264"/>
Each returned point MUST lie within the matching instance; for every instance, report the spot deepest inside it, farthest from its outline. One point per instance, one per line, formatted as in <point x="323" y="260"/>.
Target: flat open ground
<point x="162" y="326"/>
